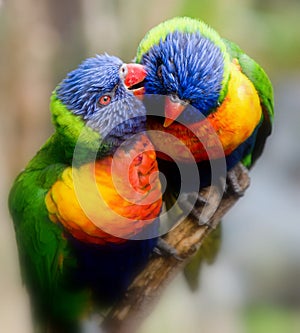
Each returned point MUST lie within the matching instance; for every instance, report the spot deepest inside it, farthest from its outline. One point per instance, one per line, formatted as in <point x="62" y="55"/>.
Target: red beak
<point x="173" y="110"/>
<point x="134" y="78"/>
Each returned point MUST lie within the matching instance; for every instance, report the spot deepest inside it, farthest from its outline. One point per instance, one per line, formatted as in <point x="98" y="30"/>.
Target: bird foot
<point x="200" y="206"/>
<point x="166" y="250"/>
<point x="193" y="203"/>
<point x="233" y="179"/>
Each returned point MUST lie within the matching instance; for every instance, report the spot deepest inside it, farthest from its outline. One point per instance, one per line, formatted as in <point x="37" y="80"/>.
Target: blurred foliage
<point x="264" y="319"/>
<point x="264" y="28"/>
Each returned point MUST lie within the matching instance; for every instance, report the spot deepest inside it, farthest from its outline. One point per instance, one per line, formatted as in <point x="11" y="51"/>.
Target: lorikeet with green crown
<point x="85" y="208"/>
<point x="216" y="97"/>
<point x="215" y="94"/>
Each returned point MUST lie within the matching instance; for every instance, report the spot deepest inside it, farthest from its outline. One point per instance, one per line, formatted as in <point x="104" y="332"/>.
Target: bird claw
<point x="166" y="250"/>
<point x="233" y="177"/>
<point x="193" y="203"/>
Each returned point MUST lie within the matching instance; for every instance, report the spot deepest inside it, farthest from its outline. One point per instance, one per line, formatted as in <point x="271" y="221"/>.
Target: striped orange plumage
<point x="111" y="199"/>
<point x="218" y="134"/>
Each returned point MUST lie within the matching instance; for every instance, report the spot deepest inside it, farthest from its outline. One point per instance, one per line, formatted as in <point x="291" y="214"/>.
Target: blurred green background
<point x="254" y="286"/>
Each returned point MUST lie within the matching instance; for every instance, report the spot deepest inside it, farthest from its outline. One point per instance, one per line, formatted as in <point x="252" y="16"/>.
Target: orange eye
<point x="104" y="100"/>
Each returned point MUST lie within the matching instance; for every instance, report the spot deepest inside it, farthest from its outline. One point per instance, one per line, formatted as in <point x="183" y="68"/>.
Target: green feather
<point x="74" y="134"/>
<point x="45" y="256"/>
<point x="41" y="243"/>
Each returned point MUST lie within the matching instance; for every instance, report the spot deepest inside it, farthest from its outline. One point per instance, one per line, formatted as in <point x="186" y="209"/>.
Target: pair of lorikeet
<point x="86" y="208"/>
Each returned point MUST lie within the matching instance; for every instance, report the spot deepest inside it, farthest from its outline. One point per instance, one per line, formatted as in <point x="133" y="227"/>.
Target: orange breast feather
<point x="218" y="134"/>
<point x="109" y="200"/>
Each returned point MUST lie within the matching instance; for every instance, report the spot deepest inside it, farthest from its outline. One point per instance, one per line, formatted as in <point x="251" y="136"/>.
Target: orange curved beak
<point x="173" y="110"/>
<point x="134" y="80"/>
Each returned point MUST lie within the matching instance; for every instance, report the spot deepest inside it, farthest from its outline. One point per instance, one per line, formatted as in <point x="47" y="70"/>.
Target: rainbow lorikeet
<point x="85" y="208"/>
<point x="217" y="97"/>
<point x="218" y="102"/>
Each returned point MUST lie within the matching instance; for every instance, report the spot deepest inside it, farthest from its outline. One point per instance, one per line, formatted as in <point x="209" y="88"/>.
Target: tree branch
<point x="186" y="238"/>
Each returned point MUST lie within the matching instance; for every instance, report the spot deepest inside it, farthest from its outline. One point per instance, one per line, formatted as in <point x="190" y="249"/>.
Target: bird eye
<point x="104" y="100"/>
<point x="123" y="71"/>
<point x="159" y="72"/>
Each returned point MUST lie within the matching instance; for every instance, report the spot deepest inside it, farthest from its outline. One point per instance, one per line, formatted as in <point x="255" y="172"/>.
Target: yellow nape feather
<point x="239" y="114"/>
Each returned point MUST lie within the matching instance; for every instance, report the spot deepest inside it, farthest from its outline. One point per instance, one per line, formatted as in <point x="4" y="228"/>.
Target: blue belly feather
<point x="108" y="270"/>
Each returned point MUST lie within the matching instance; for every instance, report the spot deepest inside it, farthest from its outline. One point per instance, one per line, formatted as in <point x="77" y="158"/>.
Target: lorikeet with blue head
<point x="86" y="207"/>
<point x="216" y="97"/>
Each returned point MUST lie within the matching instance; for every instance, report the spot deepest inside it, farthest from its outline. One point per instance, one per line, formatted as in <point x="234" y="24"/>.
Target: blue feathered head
<point x="188" y="61"/>
<point x="101" y="91"/>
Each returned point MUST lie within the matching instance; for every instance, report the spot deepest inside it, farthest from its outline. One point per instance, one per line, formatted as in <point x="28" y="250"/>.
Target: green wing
<point x="46" y="258"/>
<point x="44" y="253"/>
<point x="206" y="254"/>
<point x="264" y="89"/>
